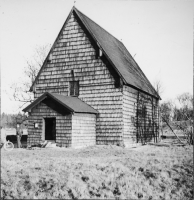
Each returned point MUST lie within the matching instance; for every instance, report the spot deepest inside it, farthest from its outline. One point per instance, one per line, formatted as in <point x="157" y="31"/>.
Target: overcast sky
<point x="159" y="34"/>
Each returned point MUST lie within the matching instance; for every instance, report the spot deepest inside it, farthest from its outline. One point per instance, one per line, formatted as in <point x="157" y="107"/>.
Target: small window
<point x="74" y="88"/>
<point x="99" y="53"/>
<point x="36" y="125"/>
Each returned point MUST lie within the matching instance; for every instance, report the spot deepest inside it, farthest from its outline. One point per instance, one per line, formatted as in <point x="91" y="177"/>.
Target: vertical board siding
<point x="75" y="51"/>
<point x="140" y="117"/>
<point x="63" y="125"/>
<point x="83" y="130"/>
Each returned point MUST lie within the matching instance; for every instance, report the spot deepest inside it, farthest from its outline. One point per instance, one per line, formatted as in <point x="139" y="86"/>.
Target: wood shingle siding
<point x="119" y="105"/>
<point x="136" y="128"/>
<point x="63" y="125"/>
<point x="83" y="130"/>
<point x="95" y="81"/>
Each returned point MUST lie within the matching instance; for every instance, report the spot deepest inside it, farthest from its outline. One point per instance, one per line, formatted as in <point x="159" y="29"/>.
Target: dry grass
<point x="147" y="172"/>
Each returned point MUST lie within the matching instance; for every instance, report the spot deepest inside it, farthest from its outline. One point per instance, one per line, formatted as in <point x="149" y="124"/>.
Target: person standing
<point x="19" y="133"/>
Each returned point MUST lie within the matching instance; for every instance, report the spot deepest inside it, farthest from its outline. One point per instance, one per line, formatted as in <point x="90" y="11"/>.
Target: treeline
<point x="11" y="120"/>
<point x="170" y="111"/>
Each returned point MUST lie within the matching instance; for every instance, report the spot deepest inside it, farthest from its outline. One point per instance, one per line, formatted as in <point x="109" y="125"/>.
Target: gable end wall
<point x="74" y="51"/>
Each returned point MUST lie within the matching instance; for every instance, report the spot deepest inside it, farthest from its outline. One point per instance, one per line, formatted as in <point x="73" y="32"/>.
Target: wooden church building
<point x="90" y="91"/>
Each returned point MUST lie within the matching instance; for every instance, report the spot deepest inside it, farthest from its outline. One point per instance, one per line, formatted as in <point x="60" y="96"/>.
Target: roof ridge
<point x="134" y="66"/>
<point x="98" y="25"/>
<point x="114" y="50"/>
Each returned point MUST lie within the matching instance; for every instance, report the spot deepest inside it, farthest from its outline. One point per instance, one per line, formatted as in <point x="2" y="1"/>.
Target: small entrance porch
<point x="64" y="120"/>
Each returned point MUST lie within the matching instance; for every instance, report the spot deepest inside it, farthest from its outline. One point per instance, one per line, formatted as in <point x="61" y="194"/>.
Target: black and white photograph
<point x="96" y="99"/>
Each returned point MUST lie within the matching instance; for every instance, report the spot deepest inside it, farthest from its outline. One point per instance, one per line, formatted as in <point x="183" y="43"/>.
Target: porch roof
<point x="72" y="104"/>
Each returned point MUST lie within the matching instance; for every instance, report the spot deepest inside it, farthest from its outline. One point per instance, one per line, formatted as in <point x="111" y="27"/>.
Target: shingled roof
<point x="117" y="55"/>
<point x="72" y="104"/>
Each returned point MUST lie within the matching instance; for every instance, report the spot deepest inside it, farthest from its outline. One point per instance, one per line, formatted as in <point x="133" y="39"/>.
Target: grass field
<point x="98" y="172"/>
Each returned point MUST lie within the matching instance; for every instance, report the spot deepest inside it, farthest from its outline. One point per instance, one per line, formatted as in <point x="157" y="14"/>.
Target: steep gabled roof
<point x="116" y="53"/>
<point x="72" y="104"/>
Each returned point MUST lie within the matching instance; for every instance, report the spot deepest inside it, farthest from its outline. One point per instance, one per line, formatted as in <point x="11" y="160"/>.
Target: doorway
<point x="50" y="129"/>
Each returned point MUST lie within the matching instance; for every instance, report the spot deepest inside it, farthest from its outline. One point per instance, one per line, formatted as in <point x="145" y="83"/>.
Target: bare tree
<point x="186" y="102"/>
<point x="184" y="115"/>
<point x="21" y="88"/>
<point x="34" y="65"/>
<point x="158" y="87"/>
<point x="166" y="109"/>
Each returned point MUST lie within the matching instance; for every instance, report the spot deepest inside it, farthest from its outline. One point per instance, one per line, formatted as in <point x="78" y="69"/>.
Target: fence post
<point x="18" y="141"/>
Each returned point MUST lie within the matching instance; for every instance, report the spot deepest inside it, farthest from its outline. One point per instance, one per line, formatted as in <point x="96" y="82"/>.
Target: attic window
<point x="74" y="88"/>
<point x="36" y="125"/>
<point x="99" y="53"/>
